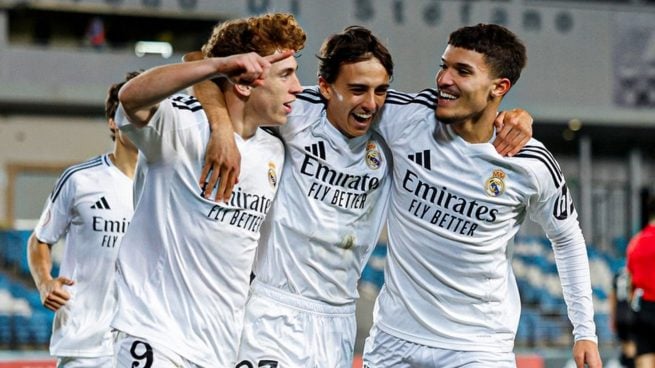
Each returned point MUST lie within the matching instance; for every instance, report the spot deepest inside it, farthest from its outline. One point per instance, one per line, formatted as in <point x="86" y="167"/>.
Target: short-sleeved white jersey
<point x="330" y="207"/>
<point x="454" y="210"/>
<point x="90" y="207"/>
<point x="184" y="268"/>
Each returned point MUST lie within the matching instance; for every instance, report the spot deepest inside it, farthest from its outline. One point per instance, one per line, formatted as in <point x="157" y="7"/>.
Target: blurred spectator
<point x="641" y="266"/>
<point x="95" y="34"/>
<point x="622" y="317"/>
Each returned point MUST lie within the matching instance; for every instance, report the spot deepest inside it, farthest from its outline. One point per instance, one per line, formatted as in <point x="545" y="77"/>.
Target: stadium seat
<point x="41" y="326"/>
<point x="5" y="330"/>
<point x="373" y="273"/>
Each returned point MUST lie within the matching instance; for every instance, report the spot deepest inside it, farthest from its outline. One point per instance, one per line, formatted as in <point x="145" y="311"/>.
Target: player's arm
<point x="142" y="94"/>
<point x="574" y="274"/>
<point x="39" y="258"/>
<point x="513" y="131"/>
<point x="222" y="163"/>
<point x="552" y="207"/>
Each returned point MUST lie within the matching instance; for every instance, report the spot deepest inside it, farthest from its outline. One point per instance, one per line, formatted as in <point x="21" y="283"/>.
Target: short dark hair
<point x="111" y="101"/>
<point x="354" y="44"/>
<point x="503" y="51"/>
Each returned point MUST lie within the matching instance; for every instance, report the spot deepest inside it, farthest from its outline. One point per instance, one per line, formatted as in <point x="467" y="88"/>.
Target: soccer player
<point x="183" y="269"/>
<point x="327" y="218"/>
<point x="333" y="195"/>
<point x="450" y="297"/>
<point x="90" y="207"/>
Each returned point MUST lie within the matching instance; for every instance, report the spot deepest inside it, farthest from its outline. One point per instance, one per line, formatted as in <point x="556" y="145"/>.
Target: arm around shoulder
<point x="222" y="164"/>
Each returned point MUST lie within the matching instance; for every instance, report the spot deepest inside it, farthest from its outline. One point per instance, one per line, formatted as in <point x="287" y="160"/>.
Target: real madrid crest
<point x="495" y="185"/>
<point x="373" y="156"/>
<point x="272" y="175"/>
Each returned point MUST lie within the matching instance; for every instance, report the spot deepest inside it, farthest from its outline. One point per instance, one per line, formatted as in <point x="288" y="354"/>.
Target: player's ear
<point x="112" y="124"/>
<point x="243" y="90"/>
<point x="500" y="87"/>
<point x="324" y="88"/>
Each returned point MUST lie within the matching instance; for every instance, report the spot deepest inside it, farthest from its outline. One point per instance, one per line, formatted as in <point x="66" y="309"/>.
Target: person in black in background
<point x="622" y="317"/>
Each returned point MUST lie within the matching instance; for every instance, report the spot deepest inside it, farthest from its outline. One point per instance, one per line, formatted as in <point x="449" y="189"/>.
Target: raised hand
<point x="251" y="68"/>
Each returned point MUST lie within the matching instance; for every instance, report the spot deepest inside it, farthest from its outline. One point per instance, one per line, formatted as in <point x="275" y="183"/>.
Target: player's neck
<point x="243" y="121"/>
<point x="478" y="129"/>
<point x="124" y="158"/>
<point x="244" y="126"/>
<point x="479" y="126"/>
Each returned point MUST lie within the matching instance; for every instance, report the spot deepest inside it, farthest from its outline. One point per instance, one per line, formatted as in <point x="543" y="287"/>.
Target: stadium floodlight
<point x="164" y="49"/>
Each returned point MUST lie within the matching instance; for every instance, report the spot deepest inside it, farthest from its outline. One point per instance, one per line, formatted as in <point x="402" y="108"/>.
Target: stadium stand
<point x="24" y="322"/>
<point x="543" y="320"/>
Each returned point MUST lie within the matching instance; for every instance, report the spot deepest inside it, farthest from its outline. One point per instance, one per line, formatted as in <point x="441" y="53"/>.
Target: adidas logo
<point x="101" y="204"/>
<point x="317" y="149"/>
<point x="421" y="158"/>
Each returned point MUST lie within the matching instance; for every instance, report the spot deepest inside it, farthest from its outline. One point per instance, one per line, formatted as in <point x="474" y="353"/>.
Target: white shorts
<point x="132" y="351"/>
<point x="285" y="330"/>
<point x="383" y="350"/>
<point x="79" y="362"/>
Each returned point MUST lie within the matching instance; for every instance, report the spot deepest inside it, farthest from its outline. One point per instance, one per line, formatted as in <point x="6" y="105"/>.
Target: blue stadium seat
<point x="41" y="326"/>
<point x="16" y="249"/>
<point x="373" y="273"/>
<point x="3" y="248"/>
<point x="5" y="329"/>
<point x="529" y="294"/>
<point x="603" y="329"/>
<point x="21" y="329"/>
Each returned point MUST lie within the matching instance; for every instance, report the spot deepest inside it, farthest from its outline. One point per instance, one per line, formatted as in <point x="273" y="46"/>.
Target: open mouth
<point x="362" y="117"/>
<point x="446" y="96"/>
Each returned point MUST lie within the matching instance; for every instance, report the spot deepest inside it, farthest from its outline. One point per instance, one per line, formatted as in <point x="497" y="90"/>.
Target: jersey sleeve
<point x="164" y="135"/>
<point x="58" y="210"/>
<point x="552" y="207"/>
<point x="403" y="109"/>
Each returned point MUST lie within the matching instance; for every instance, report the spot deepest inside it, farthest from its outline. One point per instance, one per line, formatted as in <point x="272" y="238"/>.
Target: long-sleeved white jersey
<point x="454" y="210"/>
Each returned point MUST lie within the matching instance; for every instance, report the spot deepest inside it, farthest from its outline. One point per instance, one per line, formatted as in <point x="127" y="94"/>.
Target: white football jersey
<point x="90" y="207"/>
<point x="330" y="207"/>
<point x="184" y="269"/>
<point x="455" y="208"/>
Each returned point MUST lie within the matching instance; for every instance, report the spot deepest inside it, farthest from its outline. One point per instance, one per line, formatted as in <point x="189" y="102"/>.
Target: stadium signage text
<point x="431" y="12"/>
